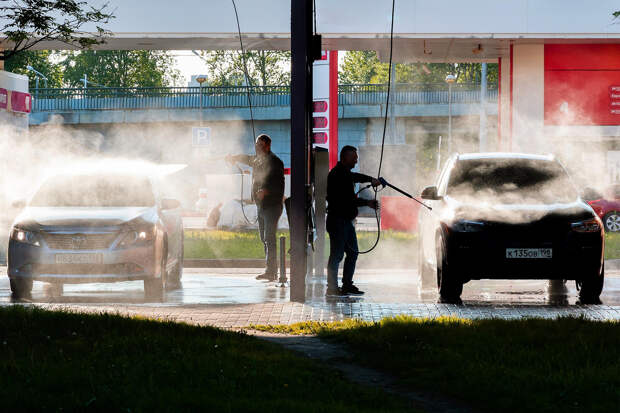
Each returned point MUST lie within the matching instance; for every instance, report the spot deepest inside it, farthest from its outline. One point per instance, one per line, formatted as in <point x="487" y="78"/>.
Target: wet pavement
<point x="233" y="298"/>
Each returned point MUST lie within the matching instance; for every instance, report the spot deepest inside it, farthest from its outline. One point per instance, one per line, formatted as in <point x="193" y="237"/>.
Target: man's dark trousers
<point x="267" y="227"/>
<point x="342" y="239"/>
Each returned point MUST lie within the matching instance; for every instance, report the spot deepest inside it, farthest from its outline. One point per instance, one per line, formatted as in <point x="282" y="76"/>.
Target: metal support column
<point x="321" y="169"/>
<point x="301" y="101"/>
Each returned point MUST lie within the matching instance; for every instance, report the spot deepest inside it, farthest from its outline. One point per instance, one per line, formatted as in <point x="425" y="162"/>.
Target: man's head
<point x="262" y="144"/>
<point x="348" y="156"/>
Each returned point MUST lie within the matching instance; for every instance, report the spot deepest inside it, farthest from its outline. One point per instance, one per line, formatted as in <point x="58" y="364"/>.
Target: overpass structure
<point x="559" y="60"/>
<point x="137" y="105"/>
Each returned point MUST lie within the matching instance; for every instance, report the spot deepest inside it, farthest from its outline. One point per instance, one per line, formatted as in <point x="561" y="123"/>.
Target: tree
<point x="365" y="67"/>
<point x="40" y="60"/>
<point x="29" y="22"/>
<point x="265" y="67"/>
<point x="120" y="68"/>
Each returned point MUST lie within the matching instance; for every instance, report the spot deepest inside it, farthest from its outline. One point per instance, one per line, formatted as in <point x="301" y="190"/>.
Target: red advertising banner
<point x="21" y="102"/>
<point x="4" y="98"/>
<point x="581" y="84"/>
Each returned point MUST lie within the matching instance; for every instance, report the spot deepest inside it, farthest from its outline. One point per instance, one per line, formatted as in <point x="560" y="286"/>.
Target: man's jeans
<point x="342" y="238"/>
<point x="267" y="226"/>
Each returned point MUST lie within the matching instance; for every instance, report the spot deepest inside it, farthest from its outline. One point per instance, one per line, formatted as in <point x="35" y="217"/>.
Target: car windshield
<point x="511" y="181"/>
<point x="95" y="191"/>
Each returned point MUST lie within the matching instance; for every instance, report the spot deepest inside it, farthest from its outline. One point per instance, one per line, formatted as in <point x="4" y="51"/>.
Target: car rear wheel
<point x="21" y="287"/>
<point x="590" y="288"/>
<point x="450" y="287"/>
<point x="611" y="220"/>
<point x="154" y="287"/>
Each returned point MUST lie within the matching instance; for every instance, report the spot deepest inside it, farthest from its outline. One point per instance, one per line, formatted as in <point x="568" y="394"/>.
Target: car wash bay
<point x="528" y="104"/>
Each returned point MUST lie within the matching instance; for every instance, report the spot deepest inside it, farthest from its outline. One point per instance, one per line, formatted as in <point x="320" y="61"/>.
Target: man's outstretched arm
<point x="245" y="159"/>
<point x="361" y="178"/>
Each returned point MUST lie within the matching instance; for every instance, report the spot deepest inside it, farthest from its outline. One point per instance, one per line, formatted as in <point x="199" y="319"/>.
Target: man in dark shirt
<point x="342" y="204"/>
<point x="268" y="193"/>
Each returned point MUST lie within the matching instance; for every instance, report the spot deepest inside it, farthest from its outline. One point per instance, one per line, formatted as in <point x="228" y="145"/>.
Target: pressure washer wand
<point x="386" y="183"/>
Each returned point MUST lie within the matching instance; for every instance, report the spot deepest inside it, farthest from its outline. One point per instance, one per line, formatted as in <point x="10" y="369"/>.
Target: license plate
<point x="79" y="258"/>
<point x="529" y="253"/>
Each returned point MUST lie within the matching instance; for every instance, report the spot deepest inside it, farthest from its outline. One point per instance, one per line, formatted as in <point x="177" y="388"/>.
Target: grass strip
<point x="71" y="361"/>
<point x="212" y="244"/>
<point x="561" y="365"/>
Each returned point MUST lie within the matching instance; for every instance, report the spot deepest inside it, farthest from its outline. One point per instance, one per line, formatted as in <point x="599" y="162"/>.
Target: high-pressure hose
<point x="387" y="103"/>
<point x="248" y="91"/>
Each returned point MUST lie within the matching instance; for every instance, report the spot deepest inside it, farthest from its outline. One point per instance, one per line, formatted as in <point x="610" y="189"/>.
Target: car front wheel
<point x="154" y="287"/>
<point x="21" y="287"/>
<point x="611" y="220"/>
<point x="450" y="287"/>
<point x="174" y="277"/>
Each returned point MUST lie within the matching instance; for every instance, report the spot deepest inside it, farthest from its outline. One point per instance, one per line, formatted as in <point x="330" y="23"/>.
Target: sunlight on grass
<point x="522" y="365"/>
<point x="322" y="327"/>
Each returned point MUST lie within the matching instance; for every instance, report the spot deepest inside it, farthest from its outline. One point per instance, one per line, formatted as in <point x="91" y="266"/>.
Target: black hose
<point x="245" y="71"/>
<point x="248" y="88"/>
<point x="387" y="103"/>
<point x="241" y="200"/>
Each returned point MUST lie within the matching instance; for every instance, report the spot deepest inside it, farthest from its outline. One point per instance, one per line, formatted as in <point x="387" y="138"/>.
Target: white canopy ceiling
<point x="450" y="30"/>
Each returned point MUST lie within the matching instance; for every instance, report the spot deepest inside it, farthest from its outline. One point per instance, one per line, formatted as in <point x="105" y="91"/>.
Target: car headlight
<point x="25" y="237"/>
<point x="589" y="225"/>
<point x="467" y="226"/>
<point x="139" y="236"/>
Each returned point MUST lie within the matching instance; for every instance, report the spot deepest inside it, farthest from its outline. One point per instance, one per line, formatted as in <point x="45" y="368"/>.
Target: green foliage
<point x="121" y="68"/>
<point x="265" y="67"/>
<point x="28" y="22"/>
<point x="53" y="361"/>
<point x="524" y="365"/>
<point x="41" y="61"/>
<point x="365" y="67"/>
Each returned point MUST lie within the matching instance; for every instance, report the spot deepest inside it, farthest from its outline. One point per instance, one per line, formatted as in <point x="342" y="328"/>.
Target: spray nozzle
<point x="383" y="181"/>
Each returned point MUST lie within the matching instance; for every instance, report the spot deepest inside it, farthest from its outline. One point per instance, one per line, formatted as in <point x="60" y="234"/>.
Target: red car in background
<point x="606" y="206"/>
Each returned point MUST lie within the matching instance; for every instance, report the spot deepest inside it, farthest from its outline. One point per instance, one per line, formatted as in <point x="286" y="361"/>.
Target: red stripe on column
<point x="499" y="104"/>
<point x="511" y="98"/>
<point x="333" y="108"/>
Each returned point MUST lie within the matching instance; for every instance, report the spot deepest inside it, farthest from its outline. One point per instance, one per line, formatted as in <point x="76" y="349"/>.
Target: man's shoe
<point x="351" y="289"/>
<point x="333" y="291"/>
<point x="268" y="276"/>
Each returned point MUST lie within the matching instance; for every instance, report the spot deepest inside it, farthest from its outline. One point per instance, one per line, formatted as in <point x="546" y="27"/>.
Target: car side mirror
<point x="18" y="204"/>
<point x="430" y="192"/>
<point x="170" y="204"/>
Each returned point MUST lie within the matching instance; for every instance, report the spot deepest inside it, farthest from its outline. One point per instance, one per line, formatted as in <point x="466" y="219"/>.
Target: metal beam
<point x="301" y="100"/>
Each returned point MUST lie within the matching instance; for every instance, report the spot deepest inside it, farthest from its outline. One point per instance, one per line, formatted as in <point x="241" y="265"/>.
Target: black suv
<point x="508" y="216"/>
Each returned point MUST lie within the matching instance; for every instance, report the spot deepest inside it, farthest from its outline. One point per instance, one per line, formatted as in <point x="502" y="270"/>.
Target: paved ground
<point x="232" y="298"/>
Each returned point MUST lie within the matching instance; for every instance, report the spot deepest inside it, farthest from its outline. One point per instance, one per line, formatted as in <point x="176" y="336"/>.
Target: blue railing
<point x="75" y="99"/>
